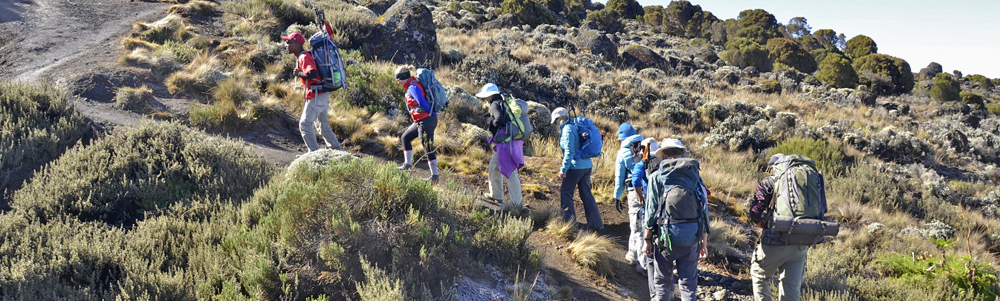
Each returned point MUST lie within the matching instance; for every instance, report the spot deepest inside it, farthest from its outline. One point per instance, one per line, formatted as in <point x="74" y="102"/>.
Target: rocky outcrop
<point x="598" y="43"/>
<point x="641" y="57"/>
<point x="409" y="35"/>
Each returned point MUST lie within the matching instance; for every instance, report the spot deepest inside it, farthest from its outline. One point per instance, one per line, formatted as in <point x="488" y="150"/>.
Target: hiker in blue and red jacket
<point x="316" y="105"/>
<point x="424" y="121"/>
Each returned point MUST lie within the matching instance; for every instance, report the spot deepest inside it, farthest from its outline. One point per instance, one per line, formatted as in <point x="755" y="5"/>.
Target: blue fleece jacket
<point x="624" y="164"/>
<point x="570" y="144"/>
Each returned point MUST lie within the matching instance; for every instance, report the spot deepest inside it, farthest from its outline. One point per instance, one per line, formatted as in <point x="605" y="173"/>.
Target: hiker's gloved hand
<point x="618" y="205"/>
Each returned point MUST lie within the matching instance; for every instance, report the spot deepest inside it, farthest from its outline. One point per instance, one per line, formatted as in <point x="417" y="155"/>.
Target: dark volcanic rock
<point x="597" y="43"/>
<point x="640" y="57"/>
<point x="504" y="21"/>
<point x="409" y="35"/>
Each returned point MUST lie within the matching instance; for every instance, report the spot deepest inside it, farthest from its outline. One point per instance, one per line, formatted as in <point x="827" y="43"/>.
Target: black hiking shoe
<point x="433" y="179"/>
<point x="405" y="166"/>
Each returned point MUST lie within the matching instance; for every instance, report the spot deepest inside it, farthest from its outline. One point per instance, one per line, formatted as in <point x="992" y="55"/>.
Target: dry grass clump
<point x="561" y="228"/>
<point x="133" y="99"/>
<point x="171" y="28"/>
<point x="199" y="77"/>
<point x="591" y="250"/>
<point x="37" y="124"/>
<point x="725" y="239"/>
<point x="193" y="8"/>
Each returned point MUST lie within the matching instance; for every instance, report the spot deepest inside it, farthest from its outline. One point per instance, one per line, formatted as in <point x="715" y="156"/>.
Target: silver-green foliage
<point x="118" y="178"/>
<point x="37" y="124"/>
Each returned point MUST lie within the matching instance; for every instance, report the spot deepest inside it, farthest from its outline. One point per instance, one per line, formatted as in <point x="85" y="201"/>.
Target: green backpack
<point x="518" y="125"/>
<point x="796" y="188"/>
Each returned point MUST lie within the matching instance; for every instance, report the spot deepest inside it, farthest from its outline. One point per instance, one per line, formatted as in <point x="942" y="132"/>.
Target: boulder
<point x="474" y="136"/>
<point x="504" y="21"/>
<point x="467" y="108"/>
<point x="540" y="119"/>
<point x="640" y="57"/>
<point x="597" y="43"/>
<point x="321" y="157"/>
<point x="409" y="35"/>
<point x="379" y="6"/>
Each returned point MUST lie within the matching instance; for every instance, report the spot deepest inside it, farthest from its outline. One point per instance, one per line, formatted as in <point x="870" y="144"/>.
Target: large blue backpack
<point x="433" y="90"/>
<point x="590" y="138"/>
<point x="331" y="67"/>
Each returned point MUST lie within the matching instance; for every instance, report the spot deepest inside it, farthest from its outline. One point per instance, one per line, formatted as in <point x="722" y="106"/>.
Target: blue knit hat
<point x="625" y="130"/>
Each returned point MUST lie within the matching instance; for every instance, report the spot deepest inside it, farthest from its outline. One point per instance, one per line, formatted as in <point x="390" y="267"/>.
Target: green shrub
<point x="896" y="69"/>
<point x="983" y="81"/>
<point x="757" y="34"/>
<point x="555" y="6"/>
<point x="972" y="99"/>
<point x="370" y="85"/>
<point x="945" y="88"/>
<point x="118" y="178"/>
<point x="606" y="19"/>
<point x="37" y="124"/>
<point x="758" y="17"/>
<point x="684" y="19"/>
<point x="994" y="107"/>
<point x="836" y="70"/>
<point x="379" y="285"/>
<point x="829" y="158"/>
<point x="809" y="43"/>
<point x="528" y="12"/>
<point x="133" y="99"/>
<point x="787" y="52"/>
<point x="870" y="185"/>
<point x="967" y="274"/>
<point x="630" y="9"/>
<point x="860" y="46"/>
<point x="742" y="52"/>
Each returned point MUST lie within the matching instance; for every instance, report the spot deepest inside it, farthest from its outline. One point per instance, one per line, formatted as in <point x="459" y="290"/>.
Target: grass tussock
<point x="561" y="228"/>
<point x="591" y="250"/>
<point x="198" y="77"/>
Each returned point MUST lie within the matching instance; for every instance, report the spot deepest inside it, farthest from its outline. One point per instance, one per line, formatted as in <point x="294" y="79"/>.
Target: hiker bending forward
<point x="676" y="223"/>
<point x="575" y="173"/>
<point x="508" y="156"/>
<point x="772" y="254"/>
<point x="316" y="104"/>
<point x="424" y="121"/>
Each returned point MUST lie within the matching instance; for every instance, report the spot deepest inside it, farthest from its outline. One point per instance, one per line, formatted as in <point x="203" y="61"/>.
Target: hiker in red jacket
<point x="424" y="121"/>
<point x="316" y="104"/>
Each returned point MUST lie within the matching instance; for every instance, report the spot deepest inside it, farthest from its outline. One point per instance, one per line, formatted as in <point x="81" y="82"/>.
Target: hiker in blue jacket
<point x="575" y="173"/>
<point x="623" y="170"/>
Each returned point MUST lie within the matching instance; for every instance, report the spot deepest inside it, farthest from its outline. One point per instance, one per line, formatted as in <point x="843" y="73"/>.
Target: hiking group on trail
<point x="667" y="200"/>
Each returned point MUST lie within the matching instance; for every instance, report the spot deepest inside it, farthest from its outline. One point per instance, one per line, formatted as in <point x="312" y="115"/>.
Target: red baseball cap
<point x="297" y="37"/>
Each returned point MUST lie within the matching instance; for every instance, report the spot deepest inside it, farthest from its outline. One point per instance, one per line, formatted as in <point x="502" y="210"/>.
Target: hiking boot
<point x="433" y="179"/>
<point x="405" y="166"/>
<point x="638" y="268"/>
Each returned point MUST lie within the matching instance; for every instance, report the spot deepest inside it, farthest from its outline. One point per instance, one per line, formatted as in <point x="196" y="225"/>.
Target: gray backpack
<point x="681" y="202"/>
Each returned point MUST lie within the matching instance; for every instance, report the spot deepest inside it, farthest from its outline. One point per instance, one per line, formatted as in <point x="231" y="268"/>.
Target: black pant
<point x="425" y="130"/>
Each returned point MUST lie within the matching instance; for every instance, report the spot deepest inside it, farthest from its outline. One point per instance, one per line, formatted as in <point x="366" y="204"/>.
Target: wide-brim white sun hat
<point x="488" y="90"/>
<point x="559" y="112"/>
<point x="668" y="143"/>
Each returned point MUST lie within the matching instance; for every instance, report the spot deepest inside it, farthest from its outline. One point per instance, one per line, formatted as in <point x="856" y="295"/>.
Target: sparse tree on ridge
<point x="798" y="27"/>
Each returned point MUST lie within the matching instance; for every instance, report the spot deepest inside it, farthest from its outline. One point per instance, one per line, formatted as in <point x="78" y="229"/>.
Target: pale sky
<point x="959" y="35"/>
